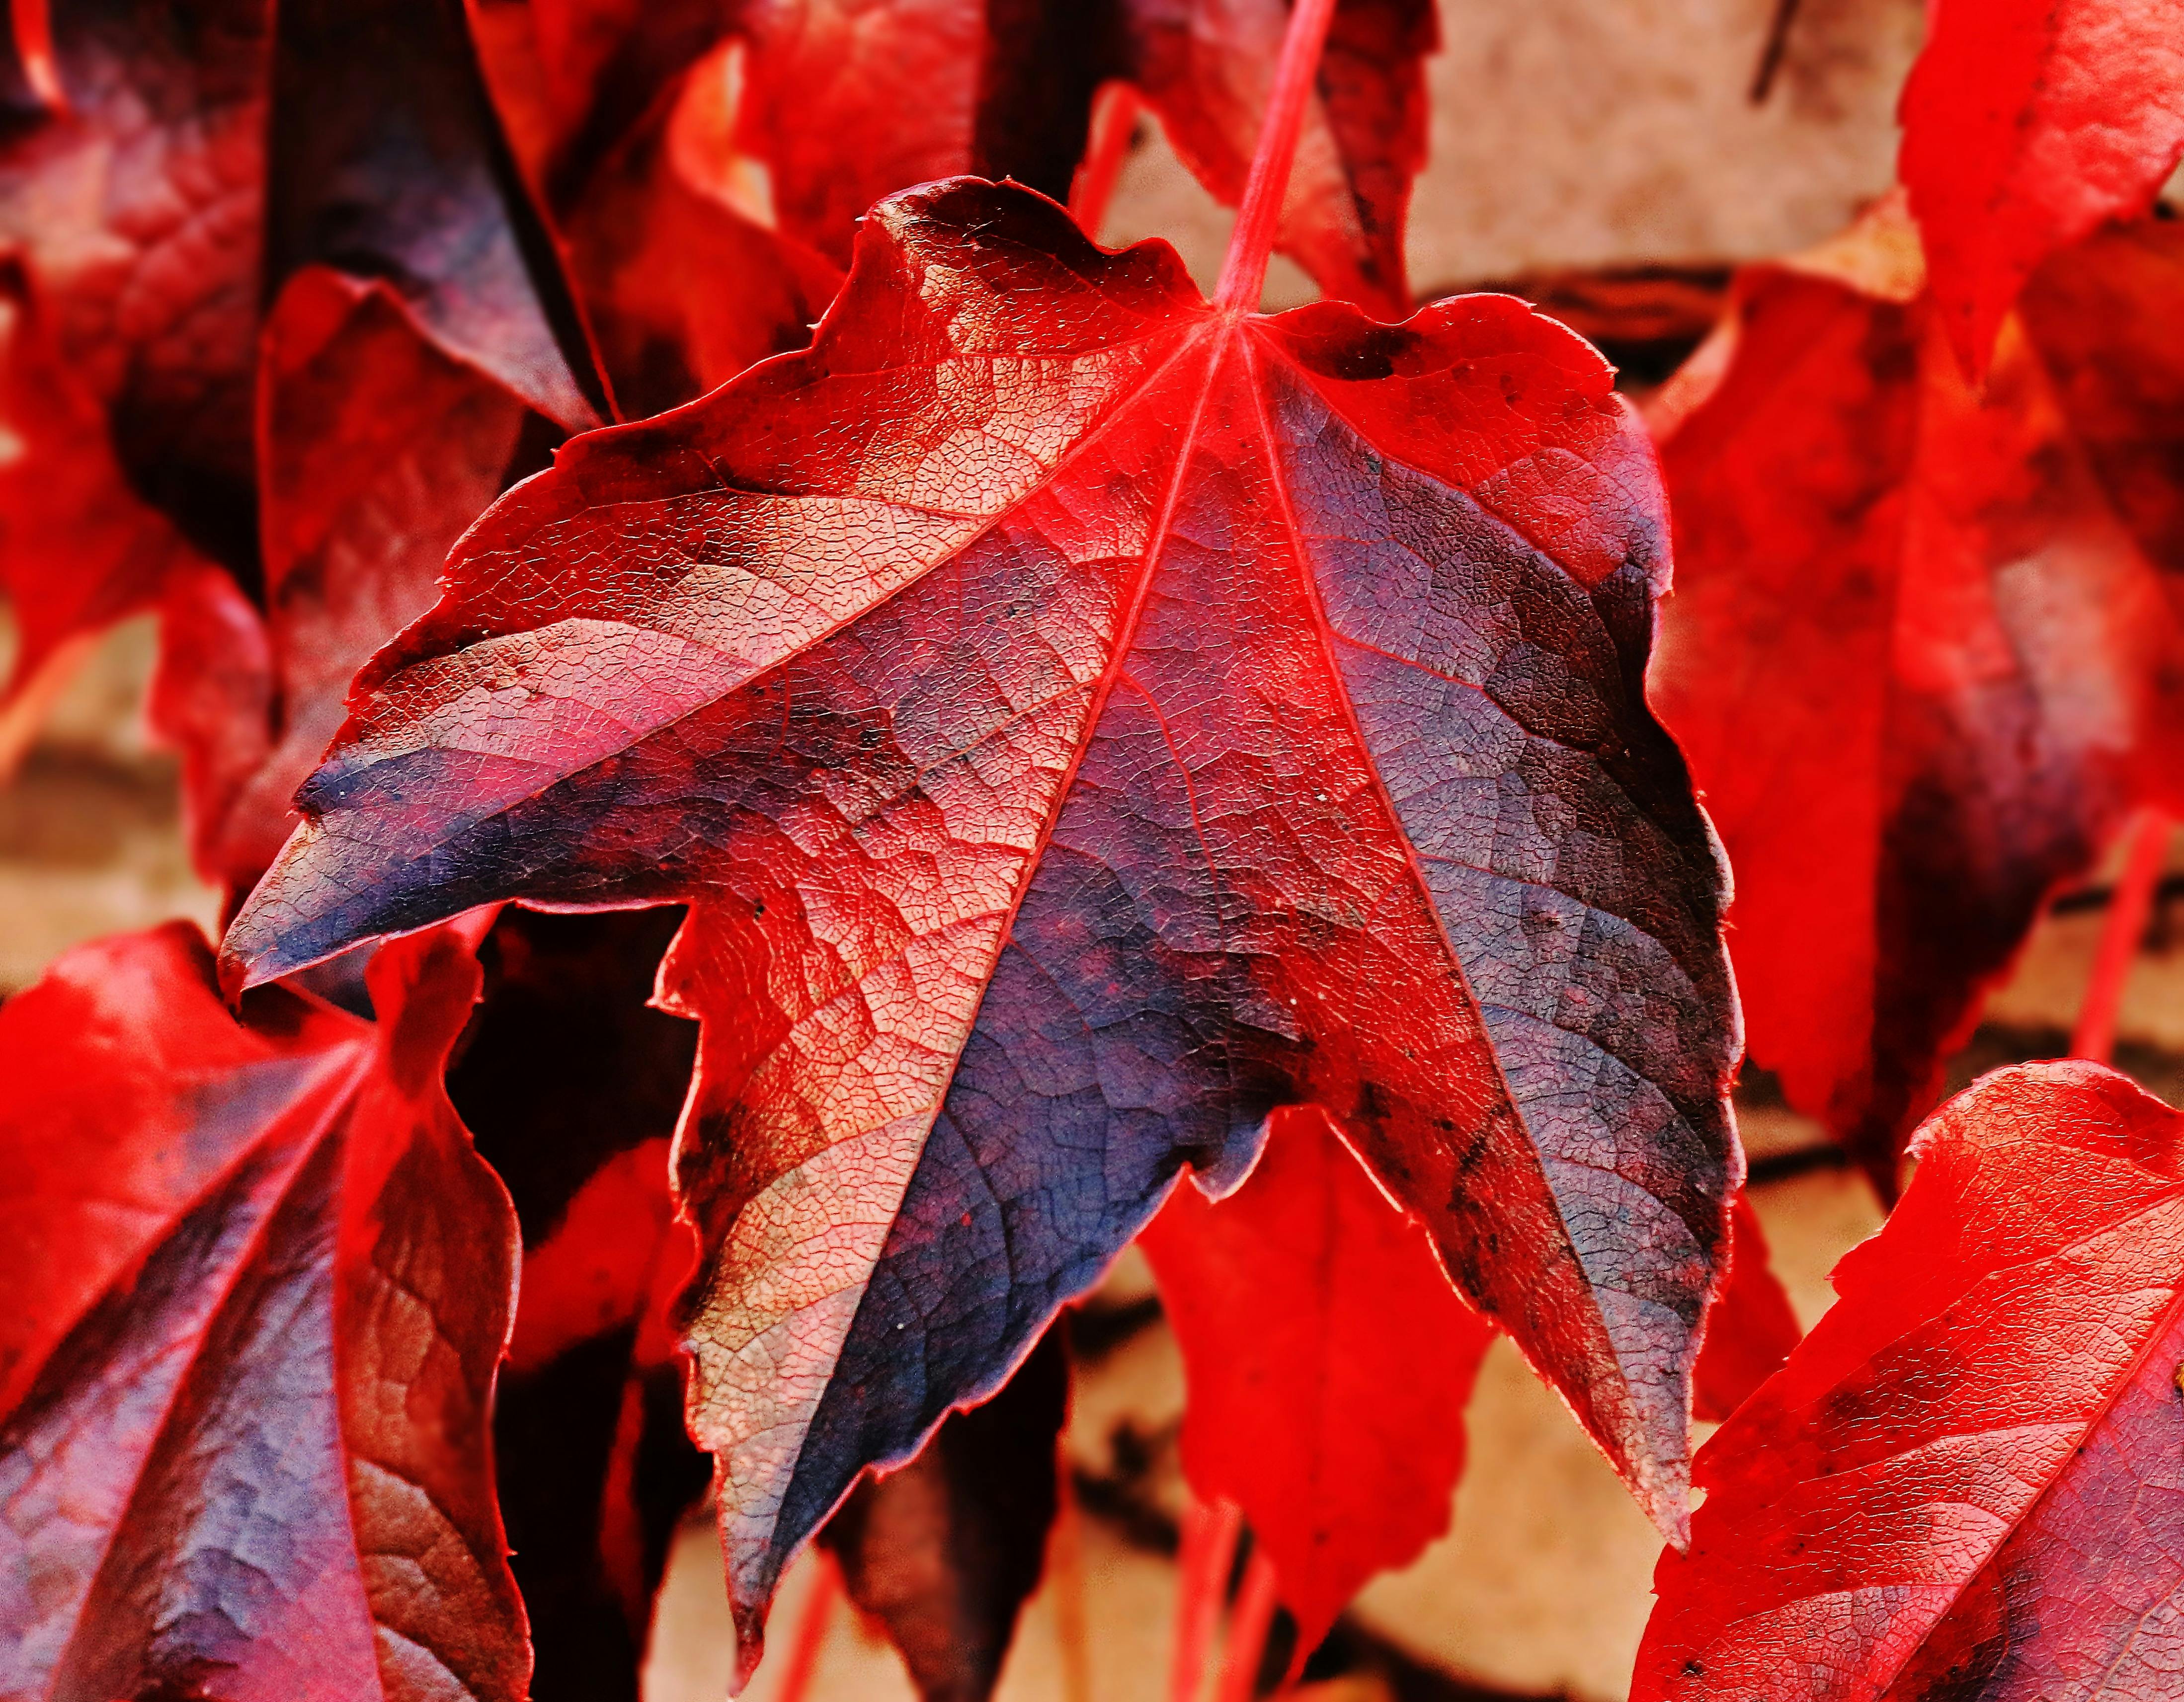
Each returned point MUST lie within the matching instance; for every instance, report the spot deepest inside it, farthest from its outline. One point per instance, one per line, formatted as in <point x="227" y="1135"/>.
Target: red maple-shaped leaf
<point x="1969" y="1480"/>
<point x="378" y="450"/>
<point x="1922" y="658"/>
<point x="259" y="1285"/>
<point x="1327" y="1364"/>
<point x="1083" y="720"/>
<point x="2027" y="124"/>
<point x="943" y="1552"/>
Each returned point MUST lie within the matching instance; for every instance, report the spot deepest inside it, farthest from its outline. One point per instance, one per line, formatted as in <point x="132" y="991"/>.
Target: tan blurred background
<point x="1569" y="136"/>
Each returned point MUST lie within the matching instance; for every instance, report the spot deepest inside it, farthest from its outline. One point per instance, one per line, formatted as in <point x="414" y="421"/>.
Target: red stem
<point x="1115" y="111"/>
<point x="32" y="21"/>
<point x="1243" y="273"/>
<point x="1209" y="1551"/>
<point x="1247" y="1631"/>
<point x="808" y="1636"/>
<point x="2129" y="905"/>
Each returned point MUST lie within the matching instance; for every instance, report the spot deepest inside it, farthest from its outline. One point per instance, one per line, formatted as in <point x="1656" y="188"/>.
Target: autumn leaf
<point x="135" y="214"/>
<point x="1084" y="720"/>
<point x="1327" y="1363"/>
<point x="259" y="1284"/>
<point x="380" y="450"/>
<point x="79" y="549"/>
<point x="943" y="1552"/>
<point x="571" y="1086"/>
<point x="1965" y="1480"/>
<point x="1921" y="663"/>
<point x="1006" y="90"/>
<point x="387" y="164"/>
<point x="2028" y="124"/>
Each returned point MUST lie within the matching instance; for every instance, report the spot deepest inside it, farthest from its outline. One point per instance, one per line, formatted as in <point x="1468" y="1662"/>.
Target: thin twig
<point x="2129" y="907"/>
<point x="1770" y="55"/>
<point x="1247" y="1631"/>
<point x="1209" y="1552"/>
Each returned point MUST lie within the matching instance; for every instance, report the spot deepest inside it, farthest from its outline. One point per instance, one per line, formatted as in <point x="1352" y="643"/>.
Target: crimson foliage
<point x="1092" y="761"/>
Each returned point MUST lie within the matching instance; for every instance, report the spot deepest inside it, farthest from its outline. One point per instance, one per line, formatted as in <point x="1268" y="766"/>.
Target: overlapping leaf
<point x="2027" y="124"/>
<point x="133" y="217"/>
<point x="685" y="289"/>
<point x="399" y="387"/>
<point x="64" y="504"/>
<point x="572" y="1087"/>
<point x="1327" y="1363"/>
<point x="945" y="1551"/>
<point x="379" y="451"/>
<point x="141" y="228"/>
<point x="1083" y="720"/>
<point x="387" y="164"/>
<point x="1968" y="1480"/>
<point x="1006" y="90"/>
<point x="1923" y="654"/>
<point x="259" y="1285"/>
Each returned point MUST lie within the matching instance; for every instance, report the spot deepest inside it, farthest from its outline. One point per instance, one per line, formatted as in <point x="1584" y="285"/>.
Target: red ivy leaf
<point x="1966" y="1481"/>
<point x="379" y="451"/>
<point x="136" y="213"/>
<point x="572" y="1087"/>
<point x="945" y="1551"/>
<point x="1920" y="665"/>
<point x="1751" y="1330"/>
<point x="1328" y="1364"/>
<point x="1083" y="720"/>
<point x="2028" y="124"/>
<point x="79" y="549"/>
<point x="270" y="1283"/>
<point x="684" y="290"/>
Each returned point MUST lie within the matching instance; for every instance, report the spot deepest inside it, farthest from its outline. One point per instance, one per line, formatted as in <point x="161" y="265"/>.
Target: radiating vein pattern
<point x="1082" y="723"/>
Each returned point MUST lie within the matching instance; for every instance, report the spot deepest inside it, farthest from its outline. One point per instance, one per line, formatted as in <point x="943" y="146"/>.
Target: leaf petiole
<point x="1244" y="271"/>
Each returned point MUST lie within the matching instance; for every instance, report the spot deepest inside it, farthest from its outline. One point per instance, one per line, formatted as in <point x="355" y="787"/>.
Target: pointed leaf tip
<point x="1065" y="773"/>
